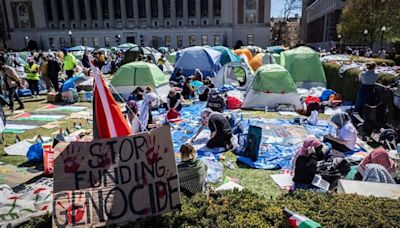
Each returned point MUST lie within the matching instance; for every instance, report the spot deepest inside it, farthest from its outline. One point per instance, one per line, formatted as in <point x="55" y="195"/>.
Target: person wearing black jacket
<point x="53" y="68"/>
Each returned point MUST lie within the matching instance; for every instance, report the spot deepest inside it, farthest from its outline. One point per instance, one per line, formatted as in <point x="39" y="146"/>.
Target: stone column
<point x="210" y="12"/>
<point x="173" y="12"/>
<point x="136" y="12"/>
<point x="148" y="13"/>
<point x="88" y="13"/>
<point x="54" y="12"/>
<point x="185" y="12"/>
<point x="111" y="12"/>
<point x="99" y="13"/>
<point x="160" y="12"/>
<point x="123" y="12"/>
<point x="65" y="13"/>
<point x="77" y="13"/>
<point x="198" y="13"/>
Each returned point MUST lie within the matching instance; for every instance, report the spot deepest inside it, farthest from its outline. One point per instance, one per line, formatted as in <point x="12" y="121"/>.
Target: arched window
<point x="23" y="11"/>
<point x="23" y="16"/>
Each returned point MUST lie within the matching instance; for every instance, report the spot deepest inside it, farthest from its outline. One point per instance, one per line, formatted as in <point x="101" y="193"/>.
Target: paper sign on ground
<point x="115" y="180"/>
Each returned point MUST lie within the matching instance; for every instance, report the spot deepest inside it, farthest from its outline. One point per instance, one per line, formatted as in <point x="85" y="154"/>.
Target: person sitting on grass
<point x="221" y="131"/>
<point x="305" y="163"/>
<point x="188" y="90"/>
<point x="174" y="100"/>
<point x="192" y="172"/>
<point x="133" y="118"/>
<point x="346" y="134"/>
<point x="215" y="101"/>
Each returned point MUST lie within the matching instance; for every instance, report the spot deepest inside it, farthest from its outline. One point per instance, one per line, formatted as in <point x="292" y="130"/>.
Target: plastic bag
<point x="233" y="103"/>
<point x="215" y="170"/>
<point x="35" y="153"/>
<point x="313" y="119"/>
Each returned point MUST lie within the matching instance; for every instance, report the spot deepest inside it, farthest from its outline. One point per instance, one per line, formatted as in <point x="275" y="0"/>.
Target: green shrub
<point x="248" y="209"/>
<point x="378" y="61"/>
<point x="349" y="84"/>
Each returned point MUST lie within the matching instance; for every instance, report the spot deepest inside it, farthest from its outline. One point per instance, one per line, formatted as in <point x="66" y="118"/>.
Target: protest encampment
<point x="199" y="114"/>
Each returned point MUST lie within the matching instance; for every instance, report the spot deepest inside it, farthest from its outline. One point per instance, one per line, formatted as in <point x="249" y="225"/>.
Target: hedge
<point x="238" y="209"/>
<point x="349" y="84"/>
<point x="378" y="61"/>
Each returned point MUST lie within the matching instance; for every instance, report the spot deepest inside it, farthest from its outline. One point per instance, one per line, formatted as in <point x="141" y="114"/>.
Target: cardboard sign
<point x="115" y="180"/>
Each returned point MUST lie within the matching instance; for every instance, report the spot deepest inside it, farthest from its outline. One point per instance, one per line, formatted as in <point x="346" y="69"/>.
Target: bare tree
<point x="289" y="7"/>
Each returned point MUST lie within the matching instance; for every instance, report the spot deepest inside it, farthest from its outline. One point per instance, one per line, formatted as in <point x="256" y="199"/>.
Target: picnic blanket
<point x="280" y="141"/>
<point x="32" y="201"/>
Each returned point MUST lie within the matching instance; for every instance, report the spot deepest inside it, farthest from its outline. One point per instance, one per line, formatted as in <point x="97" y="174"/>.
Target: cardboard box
<point x="364" y="188"/>
<point x="53" y="97"/>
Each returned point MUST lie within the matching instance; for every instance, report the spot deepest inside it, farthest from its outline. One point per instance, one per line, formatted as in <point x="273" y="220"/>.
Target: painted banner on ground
<point x="115" y="180"/>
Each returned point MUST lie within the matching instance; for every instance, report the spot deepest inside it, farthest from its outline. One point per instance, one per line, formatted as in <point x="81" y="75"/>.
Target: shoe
<point x="20" y="108"/>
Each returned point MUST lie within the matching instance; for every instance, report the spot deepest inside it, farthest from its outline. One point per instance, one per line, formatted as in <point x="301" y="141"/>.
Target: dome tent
<point x="305" y="67"/>
<point x="140" y="74"/>
<point x="271" y="85"/>
<point x="261" y="59"/>
<point x="207" y="60"/>
<point x="227" y="55"/>
<point x="234" y="73"/>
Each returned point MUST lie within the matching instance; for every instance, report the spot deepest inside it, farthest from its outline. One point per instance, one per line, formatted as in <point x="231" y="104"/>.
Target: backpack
<point x="253" y="142"/>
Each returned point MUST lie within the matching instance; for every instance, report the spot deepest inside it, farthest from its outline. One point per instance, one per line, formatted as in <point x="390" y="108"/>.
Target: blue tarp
<point x="72" y="83"/>
<point x="203" y="58"/>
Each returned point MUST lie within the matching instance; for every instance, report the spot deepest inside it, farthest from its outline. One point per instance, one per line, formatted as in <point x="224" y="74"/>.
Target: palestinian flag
<point x="299" y="221"/>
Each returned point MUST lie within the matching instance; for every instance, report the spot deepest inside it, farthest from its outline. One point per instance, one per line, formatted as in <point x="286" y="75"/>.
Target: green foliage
<point x="349" y="84"/>
<point x="237" y="209"/>
<point x="378" y="61"/>
<point x="371" y="15"/>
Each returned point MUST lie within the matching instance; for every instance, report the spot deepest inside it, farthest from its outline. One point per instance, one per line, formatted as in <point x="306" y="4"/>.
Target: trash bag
<point x="233" y="103"/>
<point x="173" y="114"/>
<point x="35" y="153"/>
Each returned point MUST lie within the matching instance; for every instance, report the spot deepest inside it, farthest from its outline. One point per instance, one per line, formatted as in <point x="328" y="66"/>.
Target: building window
<point x="142" y="9"/>
<point x="192" y="23"/>
<point x="129" y="8"/>
<point x="250" y="39"/>
<point x="82" y="9"/>
<point x="96" y="42"/>
<point x="180" y="23"/>
<point x="167" y="23"/>
<point x="84" y="41"/>
<point x="167" y="8"/>
<point x="179" y="41"/>
<point x="192" y="40"/>
<point x="71" y="11"/>
<point x="74" y="25"/>
<point x="204" y="8"/>
<point x="205" y="22"/>
<point x="167" y="41"/>
<point x="179" y="8"/>
<point x="106" y="9"/>
<point x="250" y="18"/>
<point x="217" y="8"/>
<point x="154" y="8"/>
<point x="51" y="42"/>
<point x="217" y="22"/>
<point x="107" y="41"/>
<point x="192" y="8"/>
<point x="49" y="12"/>
<point x="62" y="41"/>
<point x="204" y="40"/>
<point x="93" y="9"/>
<point x="251" y="4"/>
<point x="107" y="25"/>
<point x="60" y="11"/>
<point x="217" y="40"/>
<point x="117" y="9"/>
<point x="155" y="24"/>
<point x="155" y="41"/>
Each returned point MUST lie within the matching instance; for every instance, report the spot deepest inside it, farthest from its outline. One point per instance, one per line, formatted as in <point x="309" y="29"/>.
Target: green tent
<point x="305" y="67"/>
<point x="171" y="57"/>
<point x="277" y="58"/>
<point x="139" y="74"/>
<point x="273" y="78"/>
<point x="271" y="85"/>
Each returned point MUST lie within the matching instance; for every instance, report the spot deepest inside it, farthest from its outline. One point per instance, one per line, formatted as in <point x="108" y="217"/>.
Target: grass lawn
<point x="257" y="181"/>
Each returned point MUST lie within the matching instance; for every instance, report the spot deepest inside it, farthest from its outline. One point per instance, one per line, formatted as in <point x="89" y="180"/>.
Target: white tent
<point x="234" y="73"/>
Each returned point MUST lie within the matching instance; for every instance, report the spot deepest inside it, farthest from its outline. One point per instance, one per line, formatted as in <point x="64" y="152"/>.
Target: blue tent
<point x="80" y="48"/>
<point x="227" y="55"/>
<point x="275" y="49"/>
<point x="207" y="60"/>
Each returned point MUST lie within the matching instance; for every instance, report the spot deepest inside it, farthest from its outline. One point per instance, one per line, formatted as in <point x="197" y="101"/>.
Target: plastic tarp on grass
<point x="271" y="85"/>
<point x="304" y="66"/>
<point x="207" y="60"/>
<point x="261" y="59"/>
<point x="227" y="55"/>
<point x="140" y="74"/>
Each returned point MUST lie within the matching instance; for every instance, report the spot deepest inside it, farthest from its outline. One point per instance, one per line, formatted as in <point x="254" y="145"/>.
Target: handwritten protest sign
<point x="115" y="180"/>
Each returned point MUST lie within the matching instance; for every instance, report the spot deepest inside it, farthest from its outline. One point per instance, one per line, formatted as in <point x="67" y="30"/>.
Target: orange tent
<point x="245" y="52"/>
<point x="261" y="59"/>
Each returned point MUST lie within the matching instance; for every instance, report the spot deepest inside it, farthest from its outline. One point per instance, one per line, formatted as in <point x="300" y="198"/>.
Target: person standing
<point x="43" y="71"/>
<point x="53" y="68"/>
<point x="85" y="59"/>
<point x="69" y="63"/>
<point x="11" y="81"/>
<point x="32" y="76"/>
<point x="368" y="79"/>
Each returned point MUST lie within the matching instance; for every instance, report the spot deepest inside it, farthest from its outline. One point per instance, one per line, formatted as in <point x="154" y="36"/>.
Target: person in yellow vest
<point x="32" y="76"/>
<point x="69" y="63"/>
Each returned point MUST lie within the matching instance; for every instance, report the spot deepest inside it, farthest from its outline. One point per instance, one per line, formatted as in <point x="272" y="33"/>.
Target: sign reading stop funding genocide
<point x="115" y="180"/>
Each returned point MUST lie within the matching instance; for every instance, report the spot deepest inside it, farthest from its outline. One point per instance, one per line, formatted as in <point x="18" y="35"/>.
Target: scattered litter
<point x="288" y="113"/>
<point x="284" y="181"/>
<point x="230" y="186"/>
<point x="20" y="148"/>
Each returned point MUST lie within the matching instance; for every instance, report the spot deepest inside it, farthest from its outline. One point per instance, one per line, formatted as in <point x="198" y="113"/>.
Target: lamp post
<point x="26" y="41"/>
<point x="118" y="39"/>
<point x="340" y="42"/>
<point x="70" y="37"/>
<point x="383" y="30"/>
<point x="365" y="36"/>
